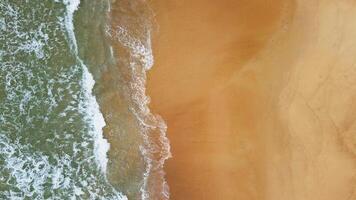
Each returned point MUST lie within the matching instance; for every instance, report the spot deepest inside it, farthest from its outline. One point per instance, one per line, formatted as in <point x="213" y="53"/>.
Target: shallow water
<point x="53" y="121"/>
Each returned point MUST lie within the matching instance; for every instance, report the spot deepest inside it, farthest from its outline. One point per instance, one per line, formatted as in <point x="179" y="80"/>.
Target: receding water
<point x="53" y="121"/>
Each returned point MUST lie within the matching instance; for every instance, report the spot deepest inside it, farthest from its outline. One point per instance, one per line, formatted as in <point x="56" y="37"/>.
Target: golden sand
<point x="258" y="97"/>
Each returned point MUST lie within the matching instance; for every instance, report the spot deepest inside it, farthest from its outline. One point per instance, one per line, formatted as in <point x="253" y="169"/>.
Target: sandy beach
<point x="258" y="97"/>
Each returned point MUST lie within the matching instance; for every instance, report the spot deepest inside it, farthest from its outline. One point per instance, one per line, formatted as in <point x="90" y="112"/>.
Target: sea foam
<point x="44" y="147"/>
<point x="90" y="107"/>
<point x="156" y="147"/>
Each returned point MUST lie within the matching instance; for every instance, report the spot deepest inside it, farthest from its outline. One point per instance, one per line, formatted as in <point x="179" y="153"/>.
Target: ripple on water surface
<point x="48" y="138"/>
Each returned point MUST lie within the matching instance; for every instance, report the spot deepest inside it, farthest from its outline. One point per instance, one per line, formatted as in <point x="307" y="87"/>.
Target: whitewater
<point x="51" y="125"/>
<point x="75" y="121"/>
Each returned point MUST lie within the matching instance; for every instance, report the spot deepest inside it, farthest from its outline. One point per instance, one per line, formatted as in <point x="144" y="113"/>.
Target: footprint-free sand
<point x="258" y="97"/>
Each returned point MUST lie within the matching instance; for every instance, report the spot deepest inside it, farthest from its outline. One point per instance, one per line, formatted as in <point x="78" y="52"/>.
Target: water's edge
<point x="139" y="146"/>
<point x="90" y="106"/>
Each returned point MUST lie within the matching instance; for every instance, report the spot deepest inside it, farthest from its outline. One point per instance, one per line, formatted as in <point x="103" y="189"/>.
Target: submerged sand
<point x="258" y="97"/>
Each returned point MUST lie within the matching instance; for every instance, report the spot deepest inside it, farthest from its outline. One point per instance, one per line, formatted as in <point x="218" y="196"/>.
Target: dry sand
<point x="258" y="97"/>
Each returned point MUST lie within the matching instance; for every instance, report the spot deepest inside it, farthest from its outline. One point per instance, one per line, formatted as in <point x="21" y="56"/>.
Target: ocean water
<point x="74" y="115"/>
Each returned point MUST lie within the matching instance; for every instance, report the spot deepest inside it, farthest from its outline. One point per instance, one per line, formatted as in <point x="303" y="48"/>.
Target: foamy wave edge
<point x="156" y="148"/>
<point x="90" y="107"/>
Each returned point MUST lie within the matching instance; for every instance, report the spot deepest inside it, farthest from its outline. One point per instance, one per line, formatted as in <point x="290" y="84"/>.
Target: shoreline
<point x="210" y="60"/>
<point x="139" y="146"/>
<point x="255" y="96"/>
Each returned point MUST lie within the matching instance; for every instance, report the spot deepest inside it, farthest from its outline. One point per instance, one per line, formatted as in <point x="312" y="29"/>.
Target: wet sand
<point x="258" y="97"/>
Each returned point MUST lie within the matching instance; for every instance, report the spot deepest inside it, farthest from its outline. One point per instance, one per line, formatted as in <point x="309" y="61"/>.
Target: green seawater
<point x="51" y="145"/>
<point x="74" y="116"/>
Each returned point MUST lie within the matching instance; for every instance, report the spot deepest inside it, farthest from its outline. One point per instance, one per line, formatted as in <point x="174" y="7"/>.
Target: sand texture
<point x="259" y="97"/>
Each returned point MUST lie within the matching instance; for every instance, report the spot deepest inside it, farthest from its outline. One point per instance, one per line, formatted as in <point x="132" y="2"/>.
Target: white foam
<point x="35" y="46"/>
<point x="90" y="107"/>
<point x="109" y="6"/>
<point x="142" y="52"/>
<point x="31" y="172"/>
<point x="72" y="6"/>
<point x="101" y="145"/>
<point x="2" y="24"/>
